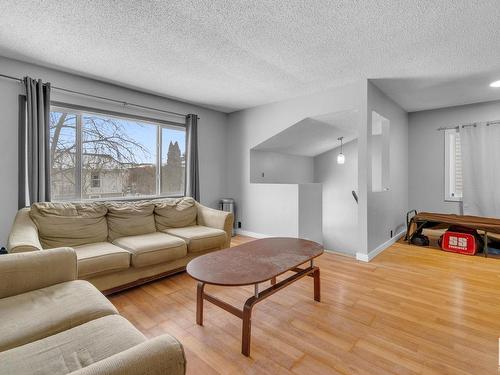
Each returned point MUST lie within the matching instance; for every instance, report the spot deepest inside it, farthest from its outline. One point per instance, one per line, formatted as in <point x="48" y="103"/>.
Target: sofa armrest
<point x="158" y="356"/>
<point x="23" y="272"/>
<point x="210" y="217"/>
<point x="24" y="234"/>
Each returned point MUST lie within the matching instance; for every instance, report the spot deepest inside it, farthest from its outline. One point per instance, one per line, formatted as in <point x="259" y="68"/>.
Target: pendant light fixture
<point x="341" y="156"/>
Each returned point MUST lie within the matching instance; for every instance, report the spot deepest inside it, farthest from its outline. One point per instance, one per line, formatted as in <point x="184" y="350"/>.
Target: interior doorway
<point x="306" y="154"/>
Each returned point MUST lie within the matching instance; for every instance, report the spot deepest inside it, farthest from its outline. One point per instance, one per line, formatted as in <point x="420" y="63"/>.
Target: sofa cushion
<point x="200" y="238"/>
<point x="72" y="349"/>
<point x="101" y="257"/>
<point x="130" y="218"/>
<point x="153" y="248"/>
<point x="175" y="213"/>
<point x="69" y="224"/>
<point x="43" y="312"/>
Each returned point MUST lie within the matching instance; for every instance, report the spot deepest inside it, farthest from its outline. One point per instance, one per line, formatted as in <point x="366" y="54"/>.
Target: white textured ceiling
<point x="240" y="53"/>
<point x="416" y="94"/>
<point x="313" y="136"/>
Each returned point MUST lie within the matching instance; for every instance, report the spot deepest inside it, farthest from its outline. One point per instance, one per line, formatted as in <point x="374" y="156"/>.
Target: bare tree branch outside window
<point x="117" y="157"/>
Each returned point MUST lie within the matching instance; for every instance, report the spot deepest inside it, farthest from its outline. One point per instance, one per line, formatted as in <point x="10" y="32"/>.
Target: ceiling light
<point x="495" y="84"/>
<point x="341" y="156"/>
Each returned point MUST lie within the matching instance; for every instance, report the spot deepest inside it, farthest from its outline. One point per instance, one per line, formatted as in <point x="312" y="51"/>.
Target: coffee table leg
<point x="246" y="330"/>
<point x="317" y="287"/>
<point x="199" y="303"/>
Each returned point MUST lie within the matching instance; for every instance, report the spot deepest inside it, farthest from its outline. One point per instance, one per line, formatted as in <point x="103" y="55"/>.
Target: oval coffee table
<point x="250" y="264"/>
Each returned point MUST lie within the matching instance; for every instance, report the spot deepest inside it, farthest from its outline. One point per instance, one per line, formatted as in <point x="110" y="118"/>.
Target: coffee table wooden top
<point x="253" y="262"/>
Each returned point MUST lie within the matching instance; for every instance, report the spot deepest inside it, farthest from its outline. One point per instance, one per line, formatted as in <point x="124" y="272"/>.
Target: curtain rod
<point x="124" y="103"/>
<point x="496" y="122"/>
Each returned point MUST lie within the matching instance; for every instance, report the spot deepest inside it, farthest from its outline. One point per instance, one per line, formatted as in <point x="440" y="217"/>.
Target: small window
<point x="95" y="180"/>
<point x="380" y="152"/>
<point x="453" y="165"/>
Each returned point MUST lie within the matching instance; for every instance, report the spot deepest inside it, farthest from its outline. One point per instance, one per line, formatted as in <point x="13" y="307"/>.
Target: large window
<point x="104" y="156"/>
<point x="453" y="165"/>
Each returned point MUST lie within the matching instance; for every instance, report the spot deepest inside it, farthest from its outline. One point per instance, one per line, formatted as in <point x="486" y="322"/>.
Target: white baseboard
<point x="372" y="254"/>
<point x="359" y="256"/>
<point x="349" y="255"/>
<point x="363" y="257"/>
<point x="251" y="234"/>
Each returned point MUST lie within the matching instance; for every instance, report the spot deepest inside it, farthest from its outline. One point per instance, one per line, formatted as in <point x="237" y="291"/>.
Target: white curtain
<point x="481" y="169"/>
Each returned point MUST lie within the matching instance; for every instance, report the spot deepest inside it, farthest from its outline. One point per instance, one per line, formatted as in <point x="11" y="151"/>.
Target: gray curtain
<point x="192" y="169"/>
<point x="34" y="158"/>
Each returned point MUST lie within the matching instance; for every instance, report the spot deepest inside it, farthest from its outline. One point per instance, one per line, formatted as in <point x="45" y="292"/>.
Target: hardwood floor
<point x="410" y="311"/>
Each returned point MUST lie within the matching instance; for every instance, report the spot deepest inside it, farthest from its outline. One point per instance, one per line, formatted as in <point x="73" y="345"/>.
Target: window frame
<point x="449" y="166"/>
<point x="57" y="106"/>
<point x="96" y="180"/>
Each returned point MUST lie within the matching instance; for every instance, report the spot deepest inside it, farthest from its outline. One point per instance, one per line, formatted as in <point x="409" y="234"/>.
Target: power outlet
<point x="239" y="224"/>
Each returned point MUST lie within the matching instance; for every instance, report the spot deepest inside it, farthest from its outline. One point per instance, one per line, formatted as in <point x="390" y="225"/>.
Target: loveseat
<point x="122" y="244"/>
<point x="52" y="323"/>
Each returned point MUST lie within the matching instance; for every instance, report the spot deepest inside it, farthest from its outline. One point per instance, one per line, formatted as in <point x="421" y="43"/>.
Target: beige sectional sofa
<point x="52" y="323"/>
<point x="122" y="244"/>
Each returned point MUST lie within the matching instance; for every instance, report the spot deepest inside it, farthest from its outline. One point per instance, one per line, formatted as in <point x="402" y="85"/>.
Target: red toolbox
<point x="462" y="243"/>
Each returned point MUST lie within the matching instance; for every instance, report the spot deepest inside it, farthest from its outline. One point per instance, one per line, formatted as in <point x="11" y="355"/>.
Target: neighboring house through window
<point x="95" y="180"/>
<point x="107" y="155"/>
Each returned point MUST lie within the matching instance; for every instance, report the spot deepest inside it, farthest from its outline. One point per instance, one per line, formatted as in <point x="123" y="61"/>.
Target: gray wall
<point x="310" y="212"/>
<point x="386" y="209"/>
<point x="9" y="91"/>
<point x="212" y="129"/>
<point x="340" y="211"/>
<point x="280" y="168"/>
<point x="426" y="152"/>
